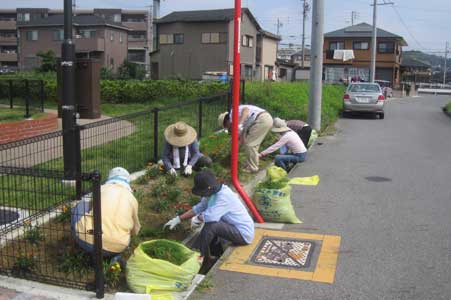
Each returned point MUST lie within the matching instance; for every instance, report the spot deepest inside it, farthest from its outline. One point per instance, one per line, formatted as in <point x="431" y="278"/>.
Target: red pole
<point x="235" y="105"/>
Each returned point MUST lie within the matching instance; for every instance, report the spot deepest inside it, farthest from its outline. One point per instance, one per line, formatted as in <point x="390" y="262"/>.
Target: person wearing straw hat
<point x="291" y="147"/>
<point x="222" y="214"/>
<point x="181" y="150"/>
<point x="119" y="215"/>
<point x="254" y="125"/>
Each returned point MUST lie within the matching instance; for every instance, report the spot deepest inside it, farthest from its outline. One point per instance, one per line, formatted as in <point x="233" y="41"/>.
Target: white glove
<point x="172" y="223"/>
<point x="188" y="170"/>
<point x="195" y="222"/>
<point x="240" y="128"/>
<point x="173" y="172"/>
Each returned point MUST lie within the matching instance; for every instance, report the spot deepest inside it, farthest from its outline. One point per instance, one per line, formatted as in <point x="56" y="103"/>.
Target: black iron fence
<point x="25" y="94"/>
<point x="38" y="236"/>
<point x="36" y="194"/>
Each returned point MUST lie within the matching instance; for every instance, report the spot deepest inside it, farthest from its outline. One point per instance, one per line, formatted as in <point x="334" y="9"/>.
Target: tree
<point x="48" y="61"/>
<point x="130" y="70"/>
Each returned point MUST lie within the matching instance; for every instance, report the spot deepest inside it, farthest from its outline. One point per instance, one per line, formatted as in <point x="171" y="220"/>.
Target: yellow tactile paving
<point x="324" y="270"/>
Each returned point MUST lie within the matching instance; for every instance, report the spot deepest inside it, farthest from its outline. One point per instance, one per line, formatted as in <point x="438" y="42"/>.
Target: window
<point x="361" y="46"/>
<point x="23" y="17"/>
<point x="87" y="33"/>
<point x="166" y="39"/>
<point x="7" y="34"/>
<point x="137" y="36"/>
<point x="112" y="36"/>
<point x="117" y="18"/>
<point x="120" y="37"/>
<point x="179" y="38"/>
<point x="32" y="35"/>
<point x="336" y="45"/>
<point x="137" y="55"/>
<point x="248" y="71"/>
<point x="213" y="38"/>
<point x="58" y="35"/>
<point x="386" y="47"/>
<point x="247" y="41"/>
<point x="370" y="88"/>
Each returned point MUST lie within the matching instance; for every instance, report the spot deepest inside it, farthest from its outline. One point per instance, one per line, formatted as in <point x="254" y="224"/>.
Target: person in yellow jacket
<point x="119" y="216"/>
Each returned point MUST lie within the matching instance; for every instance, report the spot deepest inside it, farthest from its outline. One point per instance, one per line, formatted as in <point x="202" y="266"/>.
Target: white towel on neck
<point x="176" y="157"/>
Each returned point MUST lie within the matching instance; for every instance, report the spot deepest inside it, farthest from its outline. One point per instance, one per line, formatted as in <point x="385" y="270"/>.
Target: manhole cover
<point x="284" y="253"/>
<point x="8" y="216"/>
<point x="377" y="179"/>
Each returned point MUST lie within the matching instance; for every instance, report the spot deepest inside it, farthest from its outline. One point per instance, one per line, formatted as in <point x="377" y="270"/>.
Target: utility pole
<point x="74" y="7"/>
<point x="279" y="25"/>
<point x="316" y="70"/>
<point x="68" y="105"/>
<point x="354" y="16"/>
<point x="305" y="10"/>
<point x="149" y="39"/>
<point x="374" y="39"/>
<point x="446" y="66"/>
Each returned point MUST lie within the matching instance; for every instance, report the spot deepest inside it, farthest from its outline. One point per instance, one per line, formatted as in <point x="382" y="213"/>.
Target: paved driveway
<point x="386" y="190"/>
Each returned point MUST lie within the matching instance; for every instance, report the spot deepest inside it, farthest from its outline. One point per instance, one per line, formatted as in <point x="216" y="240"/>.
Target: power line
<point x="407" y="27"/>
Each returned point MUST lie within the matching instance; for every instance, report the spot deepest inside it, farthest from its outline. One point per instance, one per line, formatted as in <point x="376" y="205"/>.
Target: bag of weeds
<point x="273" y="198"/>
<point x="161" y="265"/>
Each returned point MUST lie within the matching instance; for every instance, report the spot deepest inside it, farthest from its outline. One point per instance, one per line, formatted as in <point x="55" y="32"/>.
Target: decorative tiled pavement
<point x="279" y="252"/>
<point x="294" y="255"/>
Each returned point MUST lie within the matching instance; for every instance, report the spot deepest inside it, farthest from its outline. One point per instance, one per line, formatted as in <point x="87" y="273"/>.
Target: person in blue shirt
<point x="222" y="214"/>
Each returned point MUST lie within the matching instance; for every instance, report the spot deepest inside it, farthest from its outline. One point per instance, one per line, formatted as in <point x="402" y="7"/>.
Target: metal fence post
<point x="243" y="91"/>
<point x="155" y="134"/>
<point x="41" y="94"/>
<point x="10" y="93"/>
<point x="27" y="99"/>
<point x="77" y="138"/>
<point x="98" y="255"/>
<point x="199" y="121"/>
<point x="229" y="101"/>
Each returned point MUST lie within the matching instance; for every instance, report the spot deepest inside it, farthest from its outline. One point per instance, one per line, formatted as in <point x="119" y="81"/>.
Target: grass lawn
<point x="17" y="114"/>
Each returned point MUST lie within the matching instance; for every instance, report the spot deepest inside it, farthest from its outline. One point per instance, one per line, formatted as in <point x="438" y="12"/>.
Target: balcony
<point x="90" y="44"/>
<point x="138" y="26"/>
<point x="8" y="56"/>
<point x="8" y="40"/>
<point x="8" y="25"/>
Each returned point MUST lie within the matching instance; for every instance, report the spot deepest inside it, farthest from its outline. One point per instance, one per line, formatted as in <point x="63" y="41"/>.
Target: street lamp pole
<point x="68" y="103"/>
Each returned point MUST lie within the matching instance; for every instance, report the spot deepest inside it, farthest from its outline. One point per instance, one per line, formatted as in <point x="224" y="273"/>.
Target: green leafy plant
<point x="33" y="235"/>
<point x="166" y="250"/>
<point x="112" y="274"/>
<point x="73" y="260"/>
<point x="48" y="61"/>
<point x="25" y="263"/>
<point x="65" y="214"/>
<point x="272" y="185"/>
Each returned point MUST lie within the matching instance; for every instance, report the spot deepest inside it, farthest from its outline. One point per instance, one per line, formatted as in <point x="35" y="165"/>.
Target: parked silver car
<point x="364" y="97"/>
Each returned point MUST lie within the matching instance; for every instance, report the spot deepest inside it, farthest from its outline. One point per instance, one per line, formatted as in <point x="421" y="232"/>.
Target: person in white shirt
<point x="254" y="125"/>
<point x="291" y="147"/>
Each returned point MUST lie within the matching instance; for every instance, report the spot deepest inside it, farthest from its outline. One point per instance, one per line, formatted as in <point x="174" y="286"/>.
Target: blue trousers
<point x="283" y="160"/>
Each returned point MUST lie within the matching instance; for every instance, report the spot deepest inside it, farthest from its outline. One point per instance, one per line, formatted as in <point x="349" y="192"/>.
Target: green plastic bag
<point x="313" y="137"/>
<point x="145" y="274"/>
<point x="275" y="204"/>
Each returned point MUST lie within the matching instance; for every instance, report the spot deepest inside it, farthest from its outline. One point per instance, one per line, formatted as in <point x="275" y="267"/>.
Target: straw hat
<point x="180" y="134"/>
<point x="221" y="118"/>
<point x="280" y="125"/>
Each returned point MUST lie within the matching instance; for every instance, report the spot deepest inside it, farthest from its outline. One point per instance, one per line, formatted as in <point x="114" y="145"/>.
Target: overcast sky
<point x="424" y="24"/>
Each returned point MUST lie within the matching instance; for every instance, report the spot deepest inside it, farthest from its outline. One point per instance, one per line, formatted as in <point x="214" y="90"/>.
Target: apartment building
<point x="191" y="43"/>
<point x="358" y="39"/>
<point x="138" y="39"/>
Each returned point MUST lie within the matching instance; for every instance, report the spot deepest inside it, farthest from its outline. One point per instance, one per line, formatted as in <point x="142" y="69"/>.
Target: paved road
<point x="396" y="234"/>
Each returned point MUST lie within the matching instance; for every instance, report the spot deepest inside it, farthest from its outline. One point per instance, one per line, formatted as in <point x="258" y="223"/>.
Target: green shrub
<point x="289" y="100"/>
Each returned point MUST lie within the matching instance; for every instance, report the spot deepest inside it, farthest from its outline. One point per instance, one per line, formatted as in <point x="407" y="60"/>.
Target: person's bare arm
<point x="244" y="115"/>
<point x="188" y="215"/>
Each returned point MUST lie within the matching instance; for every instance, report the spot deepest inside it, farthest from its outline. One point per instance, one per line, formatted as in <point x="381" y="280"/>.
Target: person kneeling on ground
<point x="303" y="129"/>
<point x="119" y="216"/>
<point x="223" y="215"/>
<point x="291" y="147"/>
<point x="181" y="149"/>
<point x="254" y="124"/>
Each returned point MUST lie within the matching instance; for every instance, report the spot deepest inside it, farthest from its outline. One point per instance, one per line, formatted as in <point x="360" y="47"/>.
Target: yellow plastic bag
<point x="313" y="180"/>
<point x="145" y="274"/>
<point x="276" y="173"/>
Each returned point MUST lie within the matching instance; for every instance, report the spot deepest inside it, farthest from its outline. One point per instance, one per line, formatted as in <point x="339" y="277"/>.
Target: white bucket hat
<point x="280" y="125"/>
<point x="121" y="176"/>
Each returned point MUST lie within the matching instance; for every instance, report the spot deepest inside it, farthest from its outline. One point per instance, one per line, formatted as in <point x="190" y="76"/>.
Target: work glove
<point x="173" y="172"/>
<point x="172" y="223"/>
<point x="240" y="128"/>
<point x="188" y="170"/>
<point x="195" y="222"/>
